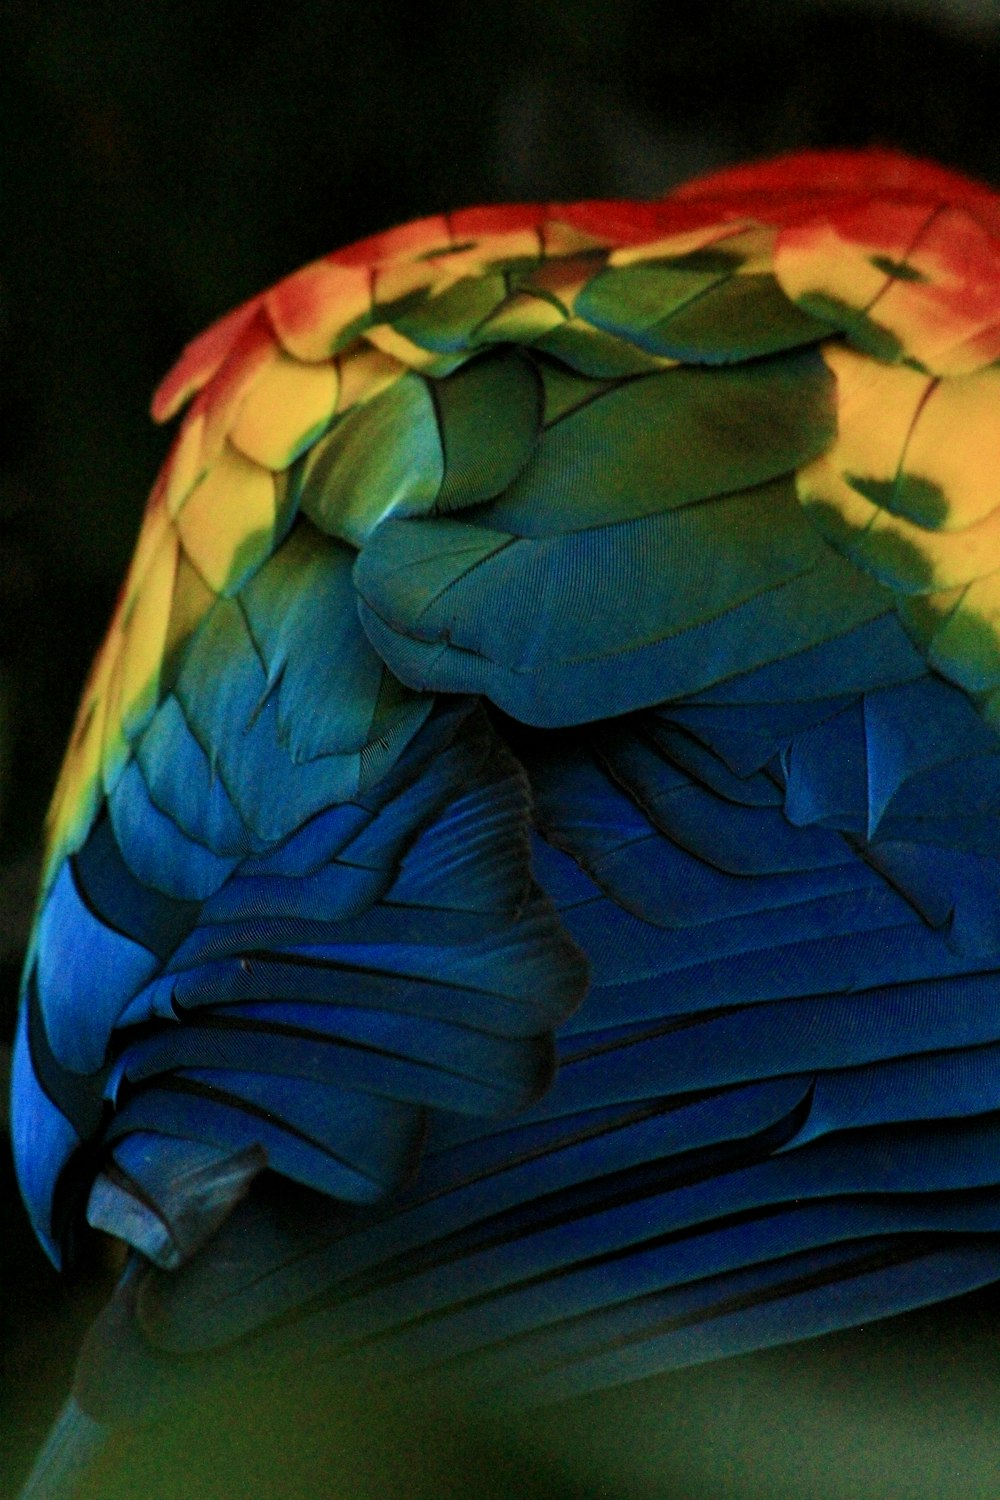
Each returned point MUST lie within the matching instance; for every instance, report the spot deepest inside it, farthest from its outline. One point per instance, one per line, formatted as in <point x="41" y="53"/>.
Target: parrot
<point x="522" y="897"/>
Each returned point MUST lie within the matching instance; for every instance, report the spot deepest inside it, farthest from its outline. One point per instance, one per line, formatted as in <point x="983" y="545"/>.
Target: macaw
<point x="523" y="891"/>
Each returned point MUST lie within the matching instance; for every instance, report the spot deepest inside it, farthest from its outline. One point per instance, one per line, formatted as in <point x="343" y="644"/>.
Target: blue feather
<point x="81" y="955"/>
<point x="159" y="855"/>
<point x="353" y="1145"/>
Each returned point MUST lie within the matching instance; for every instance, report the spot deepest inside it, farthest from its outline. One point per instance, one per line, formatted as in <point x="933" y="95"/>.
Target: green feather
<point x="447" y="323"/>
<point x="489" y="413"/>
<point x="673" y="439"/>
<point x="381" y="459"/>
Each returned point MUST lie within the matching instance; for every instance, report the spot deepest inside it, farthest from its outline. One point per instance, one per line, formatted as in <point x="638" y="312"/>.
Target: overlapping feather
<point x="539" y="606"/>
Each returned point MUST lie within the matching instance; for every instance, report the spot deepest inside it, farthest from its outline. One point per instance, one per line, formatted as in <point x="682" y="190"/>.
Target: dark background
<point x="158" y="164"/>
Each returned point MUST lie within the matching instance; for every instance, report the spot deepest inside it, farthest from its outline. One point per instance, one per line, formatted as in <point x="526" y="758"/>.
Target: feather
<point x="521" y="898"/>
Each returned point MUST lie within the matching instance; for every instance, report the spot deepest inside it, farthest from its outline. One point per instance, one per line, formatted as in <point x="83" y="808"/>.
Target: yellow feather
<point x="877" y="405"/>
<point x="284" y="410"/>
<point x="185" y="465"/>
<point x="227" y="525"/>
<point x="365" y="373"/>
<point x="955" y="444"/>
<point x="815" y="259"/>
<point x="685" y="242"/>
<point x="145" y="635"/>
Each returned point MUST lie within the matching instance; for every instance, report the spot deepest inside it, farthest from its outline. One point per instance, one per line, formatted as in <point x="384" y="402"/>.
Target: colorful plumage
<point x="523" y="892"/>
